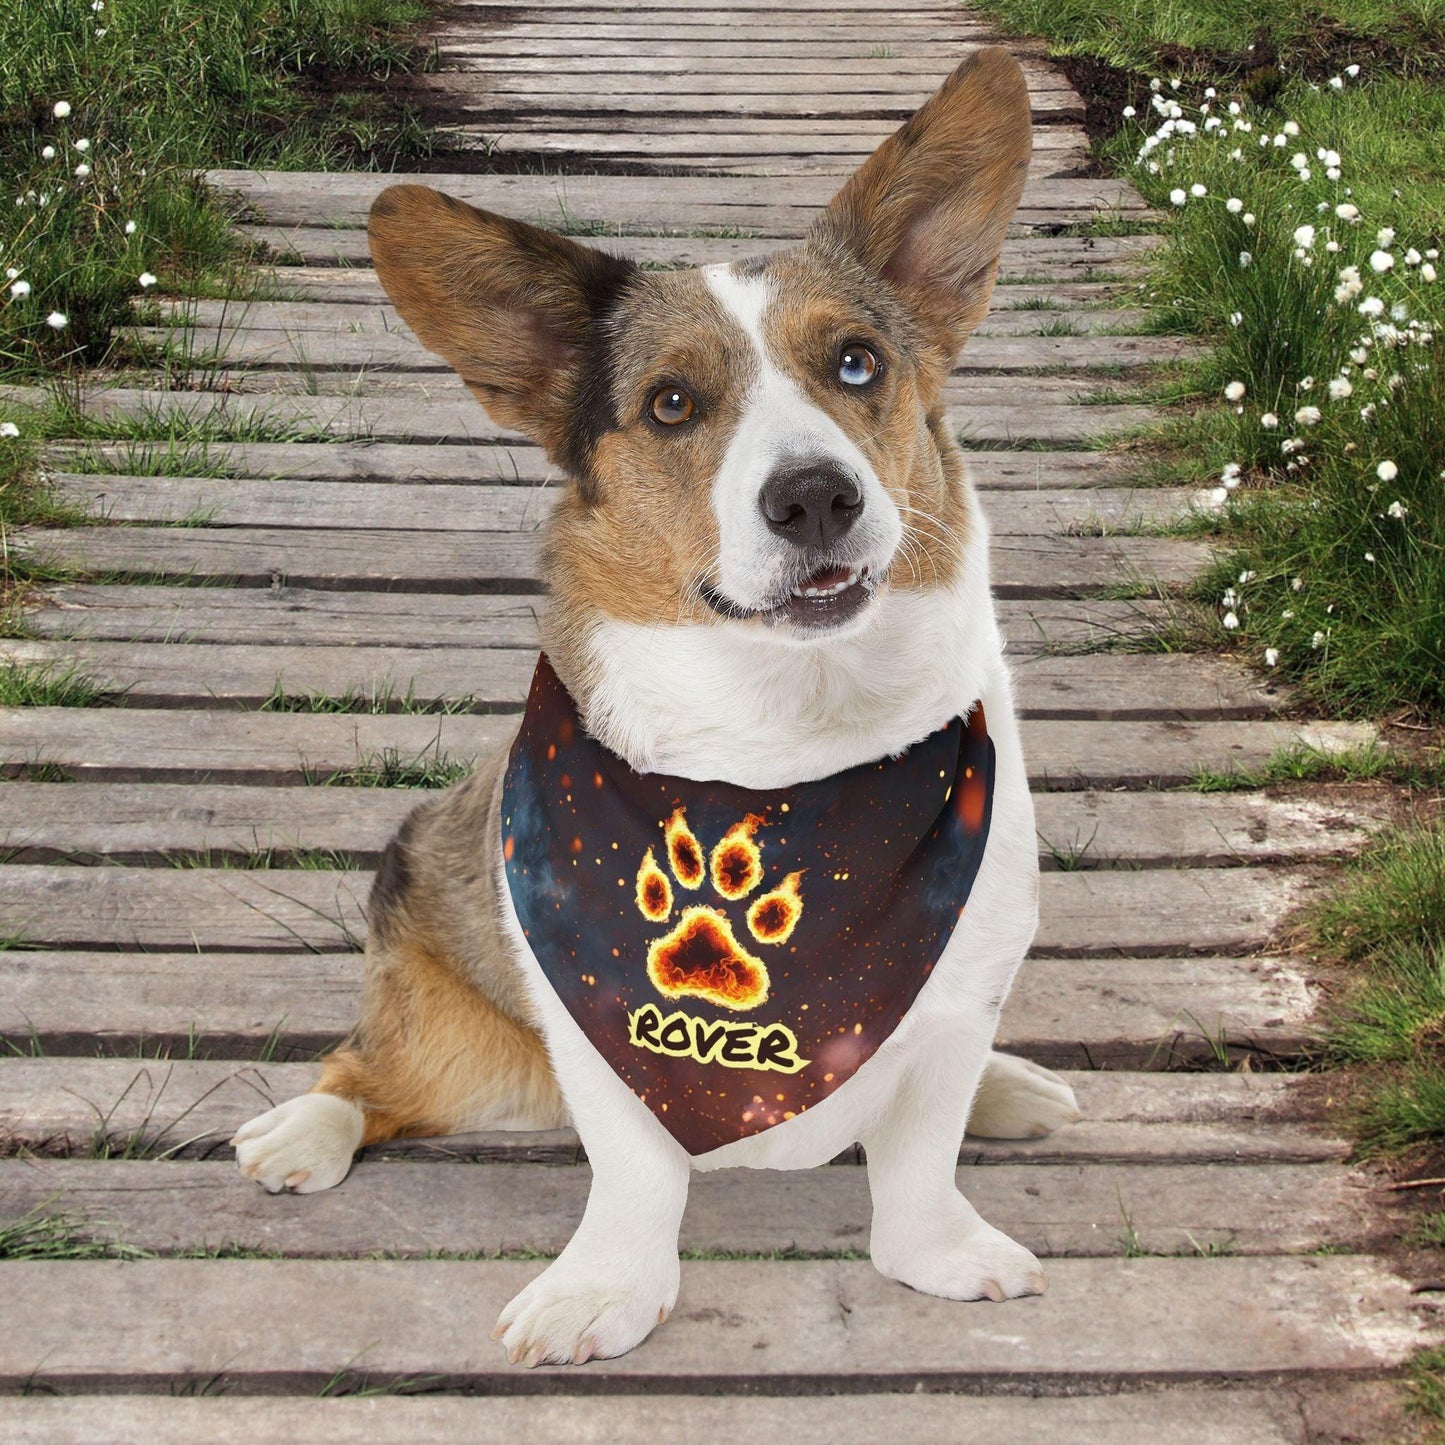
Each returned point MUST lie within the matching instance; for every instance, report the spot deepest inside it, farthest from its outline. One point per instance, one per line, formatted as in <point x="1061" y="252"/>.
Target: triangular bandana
<point x="736" y="955"/>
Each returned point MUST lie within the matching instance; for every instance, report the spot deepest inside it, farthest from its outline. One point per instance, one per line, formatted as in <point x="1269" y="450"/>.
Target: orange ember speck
<point x="773" y="917"/>
<point x="701" y="957"/>
<point x="654" y="892"/>
<point x="509" y="847"/>
<point x="684" y="852"/>
<point x="737" y="865"/>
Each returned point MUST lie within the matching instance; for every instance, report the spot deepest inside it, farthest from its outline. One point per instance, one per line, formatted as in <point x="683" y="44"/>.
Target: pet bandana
<point x="736" y="955"/>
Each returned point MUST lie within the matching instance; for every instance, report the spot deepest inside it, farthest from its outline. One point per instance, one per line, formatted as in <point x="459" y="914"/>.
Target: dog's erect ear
<point x="927" y="211"/>
<point x="515" y="309"/>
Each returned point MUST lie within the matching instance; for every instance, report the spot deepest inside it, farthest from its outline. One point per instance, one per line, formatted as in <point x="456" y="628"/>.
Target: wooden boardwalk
<point x="335" y="592"/>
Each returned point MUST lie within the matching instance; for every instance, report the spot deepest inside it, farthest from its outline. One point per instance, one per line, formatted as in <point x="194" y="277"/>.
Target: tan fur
<point x="445" y="1043"/>
<point x="446" y="1040"/>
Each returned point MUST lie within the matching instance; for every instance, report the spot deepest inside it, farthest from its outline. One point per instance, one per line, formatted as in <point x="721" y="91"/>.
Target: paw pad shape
<point x="701" y="956"/>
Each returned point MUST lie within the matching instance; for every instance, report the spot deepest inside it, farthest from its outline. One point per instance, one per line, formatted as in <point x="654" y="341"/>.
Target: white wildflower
<point x="60" y="109"/>
<point x="1245" y="258"/>
<point x="1177" y="196"/>
<point x="1352" y="71"/>
<point x="1337" y="82"/>
<point x="20" y="290"/>
<point x="1299" y="160"/>
<point x="1231" y="621"/>
<point x="1269" y="421"/>
<point x="1234" y="205"/>
<point x="1290" y="128"/>
<point x="1308" y="416"/>
<point x="1236" y="318"/>
<point x="1304" y="236"/>
<point x="1381" y="261"/>
<point x="1385" y="236"/>
<point x="1271" y="656"/>
<point x="1340" y="388"/>
<point x="1234" y="391"/>
<point x="1297" y="584"/>
<point x="82" y="144"/>
<point x="1387" y="471"/>
<point x="82" y="170"/>
<point x="47" y="153"/>
<point x="146" y="280"/>
<point x="1197" y="190"/>
<point x="1248" y="218"/>
<point x="57" y="321"/>
<point x="1427" y="272"/>
<point x="1130" y="112"/>
<point x="1398" y="510"/>
<point x="8" y="430"/>
<point x="1317" y="641"/>
<point x="1371" y="306"/>
<point x="130" y="228"/>
<point x="1369" y="556"/>
<point x="1347" y="211"/>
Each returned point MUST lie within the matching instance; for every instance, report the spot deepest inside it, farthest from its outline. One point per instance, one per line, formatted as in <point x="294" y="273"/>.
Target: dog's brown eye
<point x="672" y="406"/>
<point x="857" y="366"/>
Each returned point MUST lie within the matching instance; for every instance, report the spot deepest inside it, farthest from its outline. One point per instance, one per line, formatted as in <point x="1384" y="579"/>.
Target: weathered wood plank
<point x="1060" y="257"/>
<point x="481" y="562"/>
<point x="414" y="417"/>
<point x="739" y="1321"/>
<point x="1079" y="1013"/>
<point x="139" y="822"/>
<point x="1108" y="686"/>
<point x="357" y="286"/>
<point x="1204" y="1415"/>
<point x="1058" y="1211"/>
<point x="525" y="465"/>
<point x="238" y="346"/>
<point x="185" y="745"/>
<point x="1155" y="912"/>
<point x="189" y="1108"/>
<point x="123" y="612"/>
<point x="298" y="323"/>
<point x="676" y="203"/>
<point x="444" y="507"/>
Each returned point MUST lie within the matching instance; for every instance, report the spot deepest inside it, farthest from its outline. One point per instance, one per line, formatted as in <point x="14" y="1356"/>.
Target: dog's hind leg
<point x="432" y="1055"/>
<point x="1018" y="1099"/>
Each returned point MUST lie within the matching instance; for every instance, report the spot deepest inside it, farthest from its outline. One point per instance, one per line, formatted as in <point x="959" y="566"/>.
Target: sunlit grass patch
<point x="47" y="685"/>
<point x="1383" y="922"/>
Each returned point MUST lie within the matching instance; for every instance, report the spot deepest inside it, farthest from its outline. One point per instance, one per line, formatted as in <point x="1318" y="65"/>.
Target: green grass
<point x="47" y="685"/>
<point x="40" y="1234"/>
<point x="1344" y="564"/>
<point x="1383" y="923"/>
<point x="1304" y="764"/>
<point x="155" y="90"/>
<point x="374" y="701"/>
<point x="392" y="768"/>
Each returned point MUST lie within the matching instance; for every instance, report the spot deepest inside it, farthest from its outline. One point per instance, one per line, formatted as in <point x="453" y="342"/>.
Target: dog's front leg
<point x="617" y="1279"/>
<point x="925" y="1233"/>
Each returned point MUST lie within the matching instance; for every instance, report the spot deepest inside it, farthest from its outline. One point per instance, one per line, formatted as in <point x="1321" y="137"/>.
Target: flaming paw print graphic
<point x="701" y="956"/>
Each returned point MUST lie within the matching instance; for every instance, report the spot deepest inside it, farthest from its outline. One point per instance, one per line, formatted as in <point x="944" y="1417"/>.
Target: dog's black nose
<point x="813" y="502"/>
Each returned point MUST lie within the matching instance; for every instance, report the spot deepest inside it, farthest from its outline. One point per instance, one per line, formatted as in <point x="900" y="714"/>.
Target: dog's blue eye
<point x="857" y="366"/>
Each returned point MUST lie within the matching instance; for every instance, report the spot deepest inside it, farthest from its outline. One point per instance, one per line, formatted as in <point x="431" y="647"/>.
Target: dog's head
<point x="758" y="445"/>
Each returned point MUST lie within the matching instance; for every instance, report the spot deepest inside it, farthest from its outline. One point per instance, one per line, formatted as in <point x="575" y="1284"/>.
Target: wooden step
<point x="1059" y="1210"/>
<point x="136" y="744"/>
<point x="150" y="822"/>
<point x="469" y="562"/>
<point x="447" y="507"/>
<point x="1103" y="687"/>
<point x="236" y="346"/>
<point x="1154" y="912"/>
<point x="520" y="464"/>
<point x="189" y="1108"/>
<point x="455" y="418"/>
<point x="676" y="203"/>
<point x="121" y="612"/>
<point x="805" y="1325"/>
<point x="1075" y="1013"/>
<point x="1064" y="258"/>
<point x="214" y="322"/>
<point x="1206" y="1415"/>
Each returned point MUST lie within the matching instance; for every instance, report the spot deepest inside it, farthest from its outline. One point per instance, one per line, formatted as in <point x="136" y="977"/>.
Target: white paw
<point x="980" y="1263"/>
<point x="1020" y="1100"/>
<point x="305" y="1144"/>
<point x="575" y="1311"/>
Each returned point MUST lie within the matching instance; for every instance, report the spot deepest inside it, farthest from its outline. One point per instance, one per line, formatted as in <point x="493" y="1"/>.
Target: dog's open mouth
<point x="826" y="598"/>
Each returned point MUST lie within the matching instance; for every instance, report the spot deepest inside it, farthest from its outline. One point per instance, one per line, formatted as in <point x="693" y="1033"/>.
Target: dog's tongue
<point x="828" y="577"/>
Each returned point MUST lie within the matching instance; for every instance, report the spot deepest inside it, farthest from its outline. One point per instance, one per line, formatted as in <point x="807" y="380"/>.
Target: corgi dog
<point x="768" y="575"/>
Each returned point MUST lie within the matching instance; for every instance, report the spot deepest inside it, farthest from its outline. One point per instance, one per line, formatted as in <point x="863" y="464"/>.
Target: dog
<point x="769" y="594"/>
